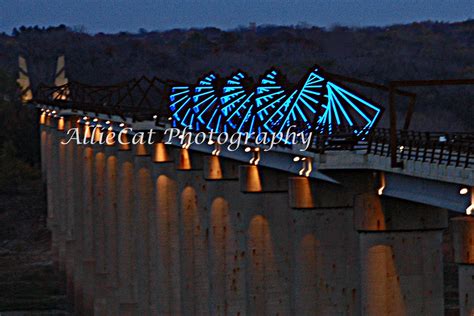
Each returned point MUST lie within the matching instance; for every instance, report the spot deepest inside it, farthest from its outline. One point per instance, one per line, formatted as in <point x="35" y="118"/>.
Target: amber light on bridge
<point x="382" y="183"/>
<point x="184" y="160"/>
<point x="141" y="150"/>
<point x="61" y="123"/>
<point x="124" y="143"/>
<point x="253" y="182"/>
<point x="109" y="139"/>
<point x="43" y="118"/>
<point x="87" y="130"/>
<point x="470" y="208"/>
<point x="97" y="133"/>
<point x="160" y="154"/>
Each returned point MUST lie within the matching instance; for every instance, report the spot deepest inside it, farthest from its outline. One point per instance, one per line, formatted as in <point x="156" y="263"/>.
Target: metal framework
<point x="138" y="98"/>
<point x="316" y="104"/>
<point x="238" y="104"/>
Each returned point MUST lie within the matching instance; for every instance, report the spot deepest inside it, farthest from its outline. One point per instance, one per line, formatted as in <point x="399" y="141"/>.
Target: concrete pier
<point x="125" y="210"/>
<point x="78" y="175"/>
<point x="400" y="257"/>
<point x="88" y="247"/>
<point x="166" y="293"/>
<point x="143" y="205"/>
<point x="463" y="242"/>
<point x="164" y="230"/>
<point x="111" y="229"/>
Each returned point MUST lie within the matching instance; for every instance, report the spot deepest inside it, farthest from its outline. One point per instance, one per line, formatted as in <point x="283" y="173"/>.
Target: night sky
<point x="127" y="15"/>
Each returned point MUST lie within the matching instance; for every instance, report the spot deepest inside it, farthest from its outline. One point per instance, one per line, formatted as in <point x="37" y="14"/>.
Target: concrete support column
<point x="263" y="204"/>
<point x="60" y="197"/>
<point x="43" y="146"/>
<point x="226" y="246"/>
<point x="52" y="174"/>
<point x="111" y="227"/>
<point x="125" y="209"/>
<point x="156" y="264"/>
<point x="78" y="208"/>
<point x="143" y="206"/>
<point x="268" y="262"/>
<point x="69" y="210"/>
<point x="98" y="226"/>
<point x="463" y="243"/>
<point x="401" y="260"/>
<point x="166" y="292"/>
<point x="325" y="248"/>
<point x="192" y="224"/>
<point x="88" y="250"/>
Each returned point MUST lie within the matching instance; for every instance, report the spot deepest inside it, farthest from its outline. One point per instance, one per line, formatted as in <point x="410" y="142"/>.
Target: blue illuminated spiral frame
<point x="316" y="104"/>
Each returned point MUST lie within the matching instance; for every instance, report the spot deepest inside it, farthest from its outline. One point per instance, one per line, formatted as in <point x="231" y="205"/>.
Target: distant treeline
<point x="428" y="50"/>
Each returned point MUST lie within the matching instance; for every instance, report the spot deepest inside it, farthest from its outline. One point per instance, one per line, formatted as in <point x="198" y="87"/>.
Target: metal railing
<point x="145" y="98"/>
<point x="452" y="149"/>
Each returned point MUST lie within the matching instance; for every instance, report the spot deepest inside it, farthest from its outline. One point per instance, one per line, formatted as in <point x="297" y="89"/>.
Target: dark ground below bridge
<point x="29" y="283"/>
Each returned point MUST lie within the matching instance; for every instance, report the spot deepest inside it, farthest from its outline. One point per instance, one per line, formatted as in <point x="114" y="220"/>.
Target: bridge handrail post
<point x="433" y="152"/>
<point x="450" y="153"/>
<point x="426" y="146"/>
<point x="469" y="148"/>
<point x="458" y="156"/>
<point x="369" y="142"/>
<point x="441" y="153"/>
<point x="418" y="144"/>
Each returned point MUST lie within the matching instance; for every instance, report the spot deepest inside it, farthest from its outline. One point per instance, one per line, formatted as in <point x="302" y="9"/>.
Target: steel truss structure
<point x="317" y="104"/>
<point x="340" y="118"/>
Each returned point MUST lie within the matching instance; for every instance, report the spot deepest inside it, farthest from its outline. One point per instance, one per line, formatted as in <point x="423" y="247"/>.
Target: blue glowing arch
<point x="316" y="104"/>
<point x="344" y="108"/>
<point x="206" y="102"/>
<point x="258" y="105"/>
<point x="181" y="104"/>
<point x="235" y="100"/>
<point x="192" y="106"/>
<point x="300" y="107"/>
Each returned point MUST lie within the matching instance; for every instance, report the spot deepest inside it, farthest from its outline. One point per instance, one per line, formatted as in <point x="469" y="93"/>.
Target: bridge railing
<point x="342" y="138"/>
<point x="452" y="149"/>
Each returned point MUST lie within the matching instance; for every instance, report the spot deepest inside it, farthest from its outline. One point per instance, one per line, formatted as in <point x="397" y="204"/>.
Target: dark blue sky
<point x="127" y="15"/>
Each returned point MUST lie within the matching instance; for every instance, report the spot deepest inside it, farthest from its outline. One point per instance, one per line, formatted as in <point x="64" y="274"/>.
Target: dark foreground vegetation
<point x="29" y="282"/>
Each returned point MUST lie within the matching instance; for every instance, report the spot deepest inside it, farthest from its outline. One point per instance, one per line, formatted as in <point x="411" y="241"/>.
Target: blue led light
<point x="314" y="105"/>
<point x="299" y="108"/>
<point x="348" y="110"/>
